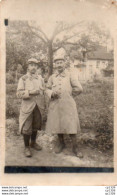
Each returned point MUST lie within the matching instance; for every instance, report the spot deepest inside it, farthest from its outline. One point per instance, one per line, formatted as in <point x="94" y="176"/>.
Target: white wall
<point x="93" y="68"/>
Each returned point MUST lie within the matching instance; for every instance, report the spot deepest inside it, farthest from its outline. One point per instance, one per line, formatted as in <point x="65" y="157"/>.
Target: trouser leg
<point x="27" y="145"/>
<point x="27" y="131"/>
<point x="27" y="127"/>
<point x="36" y="122"/>
<point x="75" y="146"/>
<point x="61" y="138"/>
<point x="33" y="136"/>
<point x="74" y="140"/>
<point x="60" y="145"/>
<point x="36" y="125"/>
<point x="26" y="140"/>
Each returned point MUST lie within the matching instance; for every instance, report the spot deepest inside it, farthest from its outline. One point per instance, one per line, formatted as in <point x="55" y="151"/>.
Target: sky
<point x="48" y="12"/>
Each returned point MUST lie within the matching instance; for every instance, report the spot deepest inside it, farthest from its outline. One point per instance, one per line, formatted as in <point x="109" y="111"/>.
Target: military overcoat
<point x="26" y="84"/>
<point x="62" y="112"/>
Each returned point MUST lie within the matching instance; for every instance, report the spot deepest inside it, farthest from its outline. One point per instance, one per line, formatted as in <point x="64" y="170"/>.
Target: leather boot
<point x="27" y="148"/>
<point x="75" y="147"/>
<point x="33" y="144"/>
<point x="60" y="145"/>
<point x="27" y="152"/>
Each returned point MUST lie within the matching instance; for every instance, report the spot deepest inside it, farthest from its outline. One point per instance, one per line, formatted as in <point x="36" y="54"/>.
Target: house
<point x="96" y="62"/>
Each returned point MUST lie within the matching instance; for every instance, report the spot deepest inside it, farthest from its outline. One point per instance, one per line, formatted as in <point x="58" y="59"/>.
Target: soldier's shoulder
<point x="24" y="77"/>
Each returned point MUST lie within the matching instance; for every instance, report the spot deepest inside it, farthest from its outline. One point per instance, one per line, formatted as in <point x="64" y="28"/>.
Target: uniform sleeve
<point x="49" y="87"/>
<point x="21" y="92"/>
<point x="76" y="86"/>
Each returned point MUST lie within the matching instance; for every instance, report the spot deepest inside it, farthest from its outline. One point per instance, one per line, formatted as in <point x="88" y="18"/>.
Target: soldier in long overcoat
<point x="30" y="90"/>
<point x="62" y="113"/>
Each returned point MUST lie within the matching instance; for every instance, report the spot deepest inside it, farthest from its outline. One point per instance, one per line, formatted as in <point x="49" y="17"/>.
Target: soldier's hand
<point x="75" y="92"/>
<point x="20" y="94"/>
<point x="34" y="92"/>
<point x="55" y="95"/>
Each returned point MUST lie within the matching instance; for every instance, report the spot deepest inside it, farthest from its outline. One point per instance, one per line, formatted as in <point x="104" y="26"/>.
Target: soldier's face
<point x="60" y="65"/>
<point x="32" y="68"/>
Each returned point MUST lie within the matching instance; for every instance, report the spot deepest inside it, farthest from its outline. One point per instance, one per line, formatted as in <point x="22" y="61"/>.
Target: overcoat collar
<point x="32" y="76"/>
<point x="60" y="74"/>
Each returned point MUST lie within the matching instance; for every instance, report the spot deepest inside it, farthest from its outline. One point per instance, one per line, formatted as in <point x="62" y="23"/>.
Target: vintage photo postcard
<point x="58" y="90"/>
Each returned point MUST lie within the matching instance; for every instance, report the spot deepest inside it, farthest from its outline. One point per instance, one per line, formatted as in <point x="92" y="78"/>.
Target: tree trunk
<point x="84" y="56"/>
<point x="50" y="58"/>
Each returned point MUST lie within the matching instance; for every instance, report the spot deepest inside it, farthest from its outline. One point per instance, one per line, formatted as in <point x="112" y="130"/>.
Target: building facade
<point x="94" y="65"/>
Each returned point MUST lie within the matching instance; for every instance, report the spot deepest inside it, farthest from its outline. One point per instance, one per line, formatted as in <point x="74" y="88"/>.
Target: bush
<point x="12" y="103"/>
<point x="12" y="108"/>
<point x="11" y="126"/>
<point x="95" y="107"/>
<point x="11" y="90"/>
<point x="104" y="121"/>
<point x="9" y="78"/>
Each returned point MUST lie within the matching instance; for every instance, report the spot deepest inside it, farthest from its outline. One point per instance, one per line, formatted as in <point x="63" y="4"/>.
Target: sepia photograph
<point x="59" y="94"/>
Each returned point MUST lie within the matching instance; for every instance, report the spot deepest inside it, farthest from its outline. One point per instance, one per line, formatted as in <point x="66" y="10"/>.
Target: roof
<point x="100" y="54"/>
<point x="75" y="54"/>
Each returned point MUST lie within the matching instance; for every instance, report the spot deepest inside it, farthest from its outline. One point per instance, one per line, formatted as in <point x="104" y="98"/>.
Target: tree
<point x="68" y="31"/>
<point x="26" y="39"/>
<point x="20" y="45"/>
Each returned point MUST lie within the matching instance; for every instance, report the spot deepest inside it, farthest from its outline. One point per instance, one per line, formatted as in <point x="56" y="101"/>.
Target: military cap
<point x="58" y="58"/>
<point x="59" y="55"/>
<point x="33" y="60"/>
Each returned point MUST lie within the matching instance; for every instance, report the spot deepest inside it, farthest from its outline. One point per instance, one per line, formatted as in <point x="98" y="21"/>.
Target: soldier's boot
<point x="60" y="145"/>
<point x="27" y="148"/>
<point x="28" y="152"/>
<point x="75" y="147"/>
<point x="33" y="144"/>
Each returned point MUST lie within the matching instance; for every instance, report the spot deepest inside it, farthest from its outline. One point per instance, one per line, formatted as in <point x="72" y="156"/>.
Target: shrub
<point x="9" y="78"/>
<point x="11" y="126"/>
<point x="11" y="89"/>
<point x="95" y="107"/>
<point x="12" y="107"/>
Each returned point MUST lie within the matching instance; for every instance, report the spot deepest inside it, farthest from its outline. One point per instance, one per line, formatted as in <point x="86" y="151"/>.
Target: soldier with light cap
<point x="31" y="91"/>
<point x="62" y="113"/>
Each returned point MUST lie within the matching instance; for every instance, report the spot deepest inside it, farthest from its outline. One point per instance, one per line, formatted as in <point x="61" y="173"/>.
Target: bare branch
<point x="36" y="34"/>
<point x="59" y="30"/>
<point x="40" y="30"/>
<point x="65" y="43"/>
<point x="39" y="37"/>
<point x="68" y="38"/>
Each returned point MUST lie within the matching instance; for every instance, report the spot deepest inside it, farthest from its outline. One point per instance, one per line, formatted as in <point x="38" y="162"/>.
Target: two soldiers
<point x="62" y="112"/>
